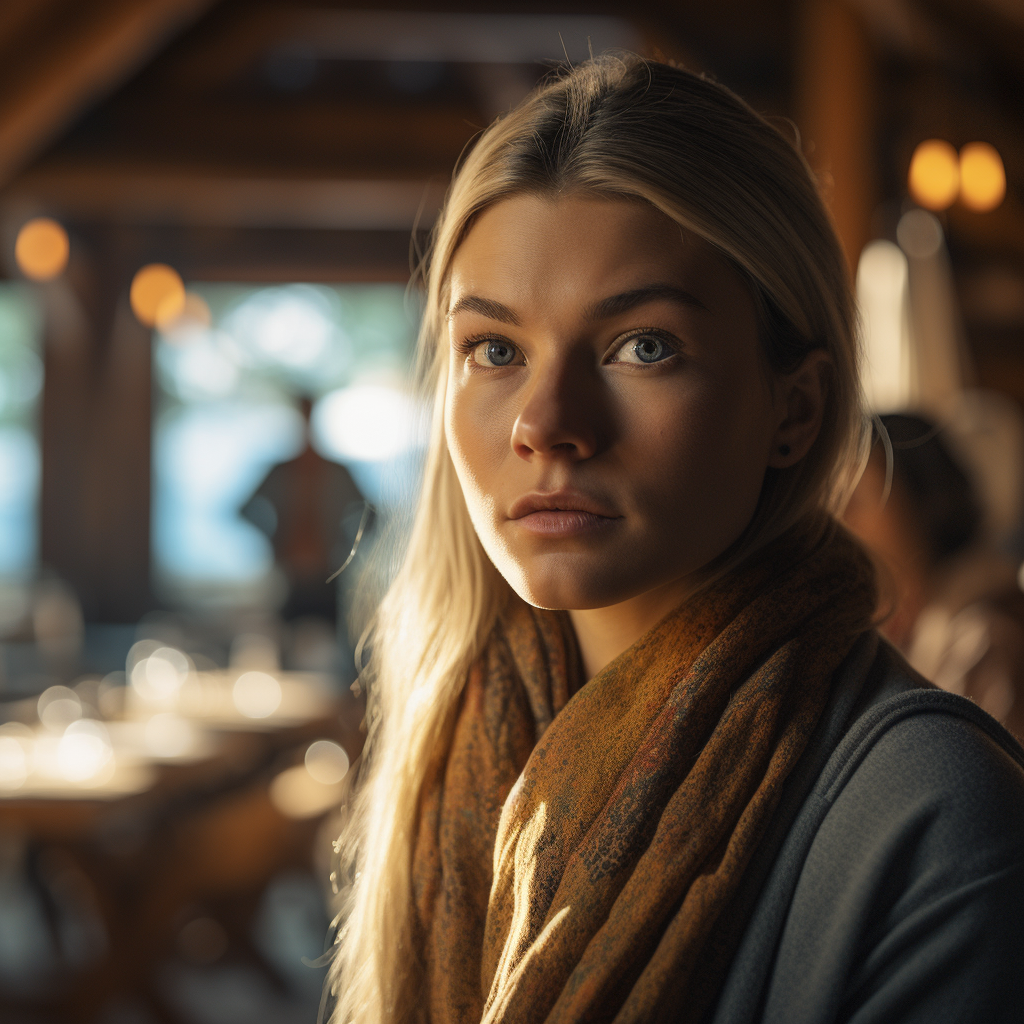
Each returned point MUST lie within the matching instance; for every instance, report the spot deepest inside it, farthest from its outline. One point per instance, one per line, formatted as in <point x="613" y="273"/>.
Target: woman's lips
<point x="551" y="522"/>
<point x="562" y="513"/>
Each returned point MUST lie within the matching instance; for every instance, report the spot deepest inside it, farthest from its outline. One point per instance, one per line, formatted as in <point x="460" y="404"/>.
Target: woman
<point x="634" y="751"/>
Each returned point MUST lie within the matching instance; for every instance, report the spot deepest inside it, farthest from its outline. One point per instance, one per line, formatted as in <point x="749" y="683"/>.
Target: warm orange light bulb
<point x="934" y="177"/>
<point x="41" y="249"/>
<point x="982" y="177"/>
<point x="157" y="294"/>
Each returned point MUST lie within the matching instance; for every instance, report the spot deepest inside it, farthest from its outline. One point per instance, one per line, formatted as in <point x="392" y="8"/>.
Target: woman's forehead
<point x="582" y="249"/>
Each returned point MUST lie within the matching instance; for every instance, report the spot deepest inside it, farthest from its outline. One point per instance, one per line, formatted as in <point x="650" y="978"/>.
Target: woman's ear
<point x="800" y="401"/>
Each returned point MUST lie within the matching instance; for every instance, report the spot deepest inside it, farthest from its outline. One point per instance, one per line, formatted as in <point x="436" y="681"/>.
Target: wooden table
<point x="196" y="832"/>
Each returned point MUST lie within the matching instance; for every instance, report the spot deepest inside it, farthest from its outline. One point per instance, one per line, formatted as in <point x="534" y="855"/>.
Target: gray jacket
<point x="890" y="887"/>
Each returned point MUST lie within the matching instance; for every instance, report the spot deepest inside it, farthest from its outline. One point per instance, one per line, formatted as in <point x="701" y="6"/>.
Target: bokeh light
<point x="256" y="694"/>
<point x="58" y="707"/>
<point x="42" y="249"/>
<point x="982" y="177"/>
<point x="296" y="794"/>
<point x="202" y="365"/>
<point x="293" y="326"/>
<point x="367" y="422"/>
<point x="327" y="762"/>
<point x="882" y="293"/>
<point x="168" y="735"/>
<point x="919" y="234"/>
<point x="84" y="751"/>
<point x="158" y="677"/>
<point x="15" y="741"/>
<point x="157" y="294"/>
<point x="934" y="177"/>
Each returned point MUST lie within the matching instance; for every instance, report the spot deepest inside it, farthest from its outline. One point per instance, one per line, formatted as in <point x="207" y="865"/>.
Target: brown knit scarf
<point x="579" y="844"/>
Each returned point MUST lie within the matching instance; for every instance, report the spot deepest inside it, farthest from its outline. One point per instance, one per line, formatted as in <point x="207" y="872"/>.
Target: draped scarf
<point x="578" y="846"/>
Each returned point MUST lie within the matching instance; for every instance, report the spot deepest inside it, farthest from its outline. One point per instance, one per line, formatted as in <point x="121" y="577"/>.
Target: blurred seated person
<point x="302" y="506"/>
<point x="950" y="601"/>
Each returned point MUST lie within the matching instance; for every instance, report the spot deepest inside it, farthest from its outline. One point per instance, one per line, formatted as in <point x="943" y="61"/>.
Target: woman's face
<point x="608" y="410"/>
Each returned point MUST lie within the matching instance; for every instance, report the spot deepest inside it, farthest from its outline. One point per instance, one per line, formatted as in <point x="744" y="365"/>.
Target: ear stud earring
<point x="784" y="450"/>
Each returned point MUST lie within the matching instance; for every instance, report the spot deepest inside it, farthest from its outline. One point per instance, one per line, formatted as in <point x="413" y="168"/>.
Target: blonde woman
<point x="635" y="752"/>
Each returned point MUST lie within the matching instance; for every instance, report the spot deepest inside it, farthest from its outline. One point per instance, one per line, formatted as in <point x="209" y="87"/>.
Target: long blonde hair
<point x="617" y="127"/>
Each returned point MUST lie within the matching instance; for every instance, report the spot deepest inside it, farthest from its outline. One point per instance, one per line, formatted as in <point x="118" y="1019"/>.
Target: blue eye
<point x="647" y="348"/>
<point x="494" y="353"/>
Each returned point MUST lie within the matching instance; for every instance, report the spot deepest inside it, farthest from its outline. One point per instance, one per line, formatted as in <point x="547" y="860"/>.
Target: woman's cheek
<point x="472" y="436"/>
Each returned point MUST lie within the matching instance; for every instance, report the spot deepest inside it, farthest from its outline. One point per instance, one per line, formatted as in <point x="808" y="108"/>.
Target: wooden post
<point x="96" y="438"/>
<point x="834" y="104"/>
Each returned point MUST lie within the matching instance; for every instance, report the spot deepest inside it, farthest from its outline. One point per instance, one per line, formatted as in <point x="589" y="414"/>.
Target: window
<point x="21" y="378"/>
<point x="231" y="373"/>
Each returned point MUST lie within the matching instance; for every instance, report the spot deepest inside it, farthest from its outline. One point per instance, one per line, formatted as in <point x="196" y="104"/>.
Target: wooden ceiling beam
<point x="100" y="46"/>
<point x="210" y="197"/>
<point x="277" y="137"/>
<point x="272" y="255"/>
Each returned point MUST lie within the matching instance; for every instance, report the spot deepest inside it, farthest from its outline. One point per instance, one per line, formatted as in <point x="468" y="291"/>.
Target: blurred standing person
<point x="951" y="600"/>
<point x="301" y="506"/>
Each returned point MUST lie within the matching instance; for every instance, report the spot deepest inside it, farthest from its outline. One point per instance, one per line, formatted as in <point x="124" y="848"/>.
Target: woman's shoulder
<point x="896" y="890"/>
<point x="903" y="744"/>
<point x="923" y="785"/>
<point x="907" y="738"/>
<point x="922" y="778"/>
<point x="912" y="889"/>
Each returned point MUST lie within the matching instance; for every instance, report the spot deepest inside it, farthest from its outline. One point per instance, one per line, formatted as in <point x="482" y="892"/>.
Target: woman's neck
<point x="604" y="633"/>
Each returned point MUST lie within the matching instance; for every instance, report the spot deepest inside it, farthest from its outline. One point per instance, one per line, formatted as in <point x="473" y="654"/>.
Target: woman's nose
<point x="560" y="416"/>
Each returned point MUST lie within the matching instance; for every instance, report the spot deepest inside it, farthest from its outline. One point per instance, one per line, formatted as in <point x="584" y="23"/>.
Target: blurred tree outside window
<point x="21" y="378"/>
<point x="231" y="373"/>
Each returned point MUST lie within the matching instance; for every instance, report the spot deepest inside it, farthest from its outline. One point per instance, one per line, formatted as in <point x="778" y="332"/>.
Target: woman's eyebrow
<point x="603" y="310"/>
<point x="625" y="301"/>
<point x="486" y="307"/>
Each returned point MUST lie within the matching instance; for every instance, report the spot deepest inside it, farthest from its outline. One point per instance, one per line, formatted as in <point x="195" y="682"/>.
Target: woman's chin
<point x="570" y="587"/>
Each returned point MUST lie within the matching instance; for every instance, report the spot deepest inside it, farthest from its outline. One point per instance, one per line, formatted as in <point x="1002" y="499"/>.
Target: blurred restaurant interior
<point x="208" y="214"/>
